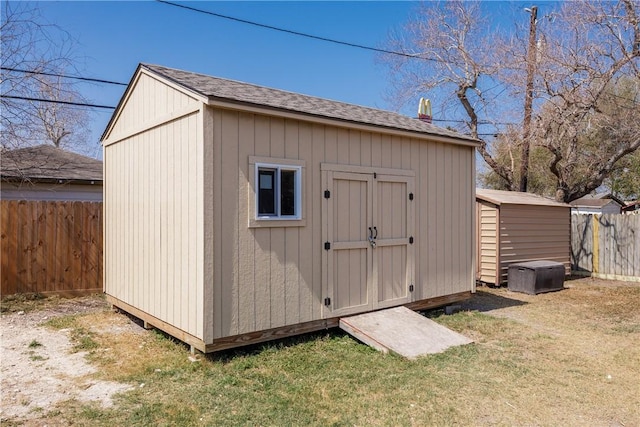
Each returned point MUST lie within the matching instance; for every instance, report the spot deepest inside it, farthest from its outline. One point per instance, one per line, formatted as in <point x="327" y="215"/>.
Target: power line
<point x="44" y="73"/>
<point x="297" y="33"/>
<point x="480" y="122"/>
<point x="54" y="101"/>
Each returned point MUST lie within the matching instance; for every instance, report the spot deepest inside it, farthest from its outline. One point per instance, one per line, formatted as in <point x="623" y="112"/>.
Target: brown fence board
<point x="9" y="235"/>
<point x="50" y="247"/>
<point x="77" y="245"/>
<point x="51" y="236"/>
<point x="22" y="241"/>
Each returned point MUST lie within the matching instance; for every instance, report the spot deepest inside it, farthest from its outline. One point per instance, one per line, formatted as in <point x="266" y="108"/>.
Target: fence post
<point x="595" y="263"/>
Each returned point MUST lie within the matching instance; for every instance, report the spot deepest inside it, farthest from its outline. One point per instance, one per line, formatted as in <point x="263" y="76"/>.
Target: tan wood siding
<point x="270" y="277"/>
<point x="529" y="233"/>
<point x="149" y="100"/>
<point x="152" y="243"/>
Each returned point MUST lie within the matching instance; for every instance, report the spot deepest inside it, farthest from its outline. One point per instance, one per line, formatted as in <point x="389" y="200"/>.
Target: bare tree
<point x="32" y="52"/>
<point x="62" y="125"/>
<point x="584" y="123"/>
<point x="453" y="57"/>
<point x="581" y="52"/>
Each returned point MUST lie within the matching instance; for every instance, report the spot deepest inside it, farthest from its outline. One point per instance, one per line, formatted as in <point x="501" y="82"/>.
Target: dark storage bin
<point x="535" y="277"/>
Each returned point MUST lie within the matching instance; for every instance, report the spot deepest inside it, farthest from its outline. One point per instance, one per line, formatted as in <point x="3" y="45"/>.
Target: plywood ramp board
<point x="402" y="331"/>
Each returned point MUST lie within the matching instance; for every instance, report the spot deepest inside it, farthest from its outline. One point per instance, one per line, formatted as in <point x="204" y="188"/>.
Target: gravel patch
<point x="38" y="369"/>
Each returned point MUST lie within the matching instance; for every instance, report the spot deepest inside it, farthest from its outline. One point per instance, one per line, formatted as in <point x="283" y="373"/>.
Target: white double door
<point x="368" y="222"/>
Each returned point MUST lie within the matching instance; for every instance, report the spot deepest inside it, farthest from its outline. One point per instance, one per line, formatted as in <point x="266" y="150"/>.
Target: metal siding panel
<point x="534" y="232"/>
<point x="488" y="242"/>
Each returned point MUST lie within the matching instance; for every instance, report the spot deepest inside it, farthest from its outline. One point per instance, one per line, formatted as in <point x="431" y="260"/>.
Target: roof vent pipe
<point x="424" y="110"/>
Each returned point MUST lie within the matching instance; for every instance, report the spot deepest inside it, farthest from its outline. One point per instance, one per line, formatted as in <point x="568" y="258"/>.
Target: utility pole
<point x="528" y="100"/>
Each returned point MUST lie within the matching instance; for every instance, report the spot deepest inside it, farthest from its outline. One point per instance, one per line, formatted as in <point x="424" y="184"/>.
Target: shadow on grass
<point x="229" y="355"/>
<point x="483" y="301"/>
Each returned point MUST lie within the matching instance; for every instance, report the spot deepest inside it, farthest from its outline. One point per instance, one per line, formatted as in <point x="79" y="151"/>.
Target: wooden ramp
<point x="402" y="331"/>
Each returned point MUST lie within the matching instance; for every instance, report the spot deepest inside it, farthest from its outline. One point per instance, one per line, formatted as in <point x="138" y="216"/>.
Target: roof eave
<point x="488" y="199"/>
<point x="34" y="180"/>
<point x="226" y="103"/>
<point x="497" y="202"/>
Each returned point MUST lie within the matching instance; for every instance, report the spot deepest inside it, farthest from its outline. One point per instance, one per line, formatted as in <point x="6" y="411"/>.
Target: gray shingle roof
<point x="597" y="200"/>
<point x="235" y="91"/>
<point x="593" y="203"/>
<point x="48" y="163"/>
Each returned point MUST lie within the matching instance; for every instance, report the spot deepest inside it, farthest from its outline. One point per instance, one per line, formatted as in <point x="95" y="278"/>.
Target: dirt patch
<point x="39" y="368"/>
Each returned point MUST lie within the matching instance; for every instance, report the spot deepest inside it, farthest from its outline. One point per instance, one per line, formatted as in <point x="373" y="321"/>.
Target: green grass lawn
<point x="544" y="361"/>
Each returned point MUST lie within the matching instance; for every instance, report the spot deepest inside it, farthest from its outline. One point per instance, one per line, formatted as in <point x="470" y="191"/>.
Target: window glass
<point x="266" y="193"/>
<point x="277" y="195"/>
<point x="287" y="192"/>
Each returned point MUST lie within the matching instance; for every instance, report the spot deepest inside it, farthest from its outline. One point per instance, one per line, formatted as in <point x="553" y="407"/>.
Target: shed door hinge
<point x="411" y="287"/>
<point x="327" y="246"/>
<point x="327" y="301"/>
<point x="327" y="194"/>
<point x="410" y="196"/>
<point x="411" y="240"/>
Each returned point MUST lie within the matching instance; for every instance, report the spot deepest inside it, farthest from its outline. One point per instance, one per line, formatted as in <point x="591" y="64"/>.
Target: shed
<point x="236" y="213"/>
<point x="517" y="227"/>
<point x="631" y="207"/>
<point x="604" y="203"/>
<point x="47" y="173"/>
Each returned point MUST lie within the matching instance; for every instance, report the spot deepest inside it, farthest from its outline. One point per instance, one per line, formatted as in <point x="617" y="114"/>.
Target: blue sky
<point x="113" y="37"/>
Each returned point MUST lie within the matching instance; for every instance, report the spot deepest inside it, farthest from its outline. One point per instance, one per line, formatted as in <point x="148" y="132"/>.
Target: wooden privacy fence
<point x="606" y="246"/>
<point x="51" y="247"/>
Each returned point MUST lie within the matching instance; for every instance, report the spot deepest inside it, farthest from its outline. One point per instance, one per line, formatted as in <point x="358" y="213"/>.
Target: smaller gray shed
<point x="604" y="203"/>
<point x="517" y="227"/>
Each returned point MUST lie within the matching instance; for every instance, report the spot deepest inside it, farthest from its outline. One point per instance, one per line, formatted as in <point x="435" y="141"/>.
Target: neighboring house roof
<point x="214" y="88"/>
<point x="499" y="197"/>
<point x="632" y="206"/>
<point x="596" y="201"/>
<point x="46" y="163"/>
<point x="592" y="203"/>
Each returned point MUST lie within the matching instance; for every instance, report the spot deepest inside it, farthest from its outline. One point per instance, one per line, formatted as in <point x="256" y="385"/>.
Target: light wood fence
<point x="606" y="246"/>
<point x="50" y="247"/>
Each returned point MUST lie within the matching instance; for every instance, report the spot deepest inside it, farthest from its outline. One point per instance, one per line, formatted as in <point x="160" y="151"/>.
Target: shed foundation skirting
<point x="235" y="341"/>
<point x="149" y="320"/>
